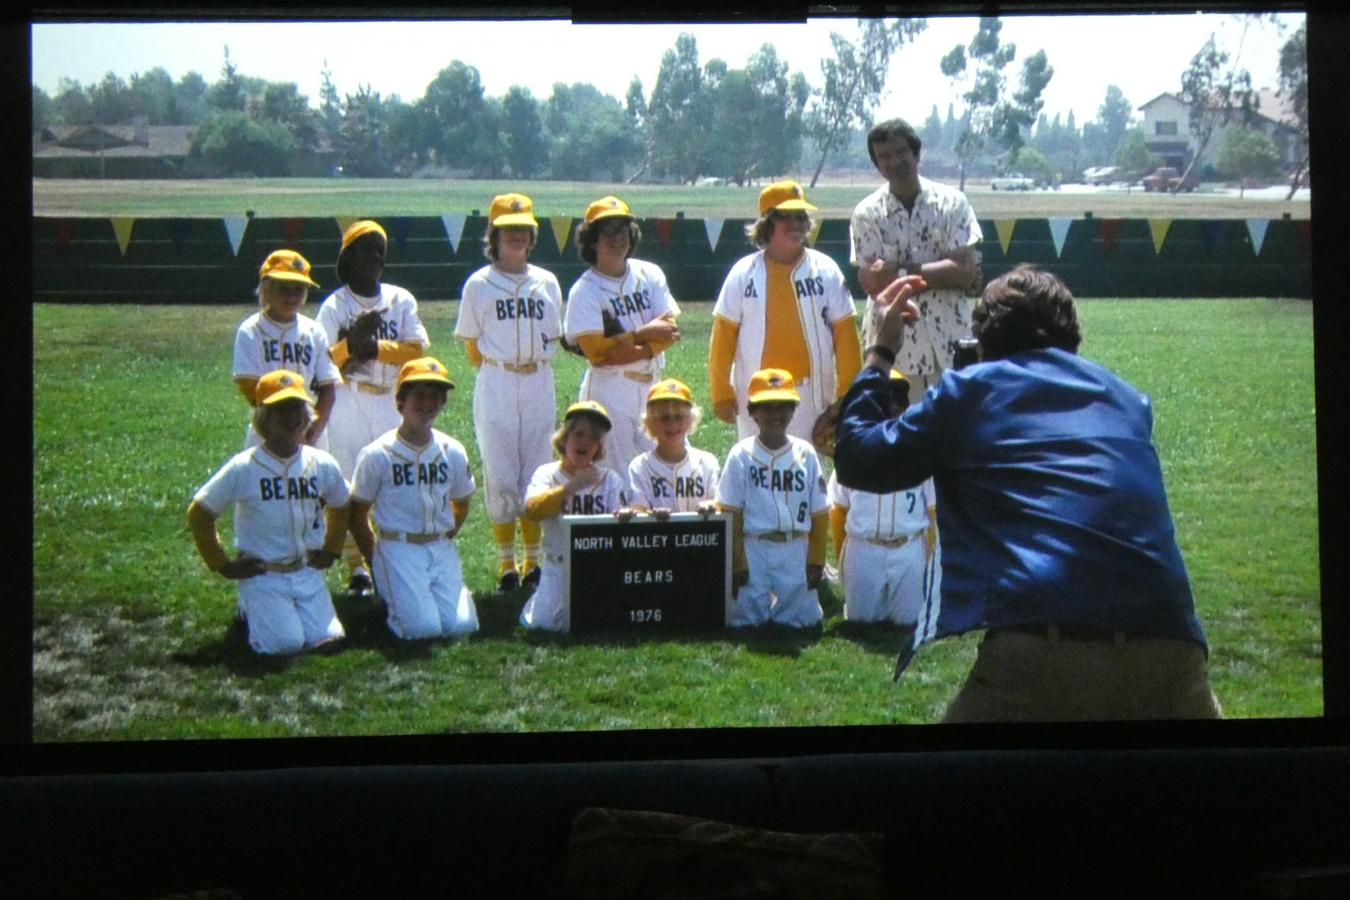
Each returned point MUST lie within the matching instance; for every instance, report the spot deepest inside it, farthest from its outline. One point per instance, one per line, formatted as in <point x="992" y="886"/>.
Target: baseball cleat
<point x="360" y="584"/>
<point x="531" y="579"/>
<point x="510" y="580"/>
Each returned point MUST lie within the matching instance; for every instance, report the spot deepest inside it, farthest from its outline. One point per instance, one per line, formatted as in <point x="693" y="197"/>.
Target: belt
<point x="778" y="537"/>
<point x="642" y="377"/>
<point x="293" y="566"/>
<point x="411" y="537"/>
<point x="366" y="387"/>
<point x="555" y="558"/>
<point x="892" y="542"/>
<point x="1055" y="632"/>
<point x="521" y="369"/>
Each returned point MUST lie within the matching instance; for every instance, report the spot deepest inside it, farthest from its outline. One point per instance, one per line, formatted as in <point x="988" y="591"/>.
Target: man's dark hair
<point x="589" y="235"/>
<point x="1026" y="309"/>
<point x="892" y="128"/>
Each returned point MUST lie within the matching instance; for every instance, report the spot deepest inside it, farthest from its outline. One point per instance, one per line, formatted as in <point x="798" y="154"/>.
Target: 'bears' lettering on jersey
<point x="421" y="473"/>
<point x="287" y="352"/>
<point x="388" y="330"/>
<point x="777" y="479"/>
<point x="684" y="485"/>
<point x="289" y="488"/>
<point x="586" y="505"/>
<point x="631" y="303"/>
<point x="520" y="308"/>
<point x="810" y="287"/>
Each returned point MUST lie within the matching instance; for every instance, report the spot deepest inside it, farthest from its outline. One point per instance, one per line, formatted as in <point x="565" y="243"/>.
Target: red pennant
<point x="664" y="229"/>
<point x="65" y="230"/>
<point x="291" y="228"/>
<point x="1110" y="228"/>
<point x="1305" y="232"/>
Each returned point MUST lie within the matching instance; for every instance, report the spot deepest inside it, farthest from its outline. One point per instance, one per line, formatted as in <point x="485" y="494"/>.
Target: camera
<point x="967" y="351"/>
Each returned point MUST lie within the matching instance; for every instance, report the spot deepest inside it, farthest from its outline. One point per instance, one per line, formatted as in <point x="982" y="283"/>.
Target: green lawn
<point x="131" y="630"/>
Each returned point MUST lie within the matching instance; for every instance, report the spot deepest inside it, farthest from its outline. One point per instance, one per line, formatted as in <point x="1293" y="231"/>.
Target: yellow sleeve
<point x="818" y="542"/>
<point x="396" y="353"/>
<point x="461" y="510"/>
<point x="249" y="388"/>
<point x="847" y="355"/>
<point x="838" y="516"/>
<point x="337" y="519"/>
<point x="738" y="561"/>
<point x="475" y="355"/>
<point x="340" y="353"/>
<point x="659" y="347"/>
<point x="720" y="356"/>
<point x="598" y="348"/>
<point x="358" y="522"/>
<point x="545" y="505"/>
<point x="202" y="522"/>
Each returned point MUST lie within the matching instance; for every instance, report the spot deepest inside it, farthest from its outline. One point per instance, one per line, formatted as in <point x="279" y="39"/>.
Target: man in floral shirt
<point x="913" y="226"/>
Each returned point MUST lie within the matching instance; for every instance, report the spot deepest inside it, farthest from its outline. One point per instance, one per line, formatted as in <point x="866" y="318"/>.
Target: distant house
<point x="1167" y="130"/>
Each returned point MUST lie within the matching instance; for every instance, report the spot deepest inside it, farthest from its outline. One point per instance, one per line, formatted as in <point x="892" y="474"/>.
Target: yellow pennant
<point x="345" y="222"/>
<point x="1005" y="228"/>
<point x="815" y="231"/>
<point x="122" y="228"/>
<point x="1159" y="227"/>
<point x="562" y="227"/>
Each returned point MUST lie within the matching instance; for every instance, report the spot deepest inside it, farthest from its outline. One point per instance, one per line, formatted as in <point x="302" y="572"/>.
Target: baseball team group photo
<point x="914" y="479"/>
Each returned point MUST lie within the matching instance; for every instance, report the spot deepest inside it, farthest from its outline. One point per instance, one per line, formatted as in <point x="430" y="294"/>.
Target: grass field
<point x="131" y="632"/>
<point x="279" y="197"/>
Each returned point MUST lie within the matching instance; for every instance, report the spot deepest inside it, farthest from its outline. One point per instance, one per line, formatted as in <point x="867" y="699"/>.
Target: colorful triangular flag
<point x="1257" y="229"/>
<point x="815" y="231"/>
<point x="454" y="229"/>
<point x="1110" y="230"/>
<point x="235" y="226"/>
<point x="345" y="222"/>
<point x="291" y="228"/>
<point x="1059" y="230"/>
<point x="714" y="229"/>
<point x="122" y="226"/>
<point x="1005" y="228"/>
<point x="562" y="228"/>
<point x="1159" y="228"/>
<point x="664" y="229"/>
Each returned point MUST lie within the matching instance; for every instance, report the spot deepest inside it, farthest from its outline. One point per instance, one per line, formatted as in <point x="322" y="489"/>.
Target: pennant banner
<point x="1159" y="229"/>
<point x="1256" y="228"/>
<point x="345" y="222"/>
<point x="234" y="230"/>
<point x="291" y="228"/>
<point x="454" y="229"/>
<point x="1110" y="230"/>
<point x="1059" y="230"/>
<point x="815" y="231"/>
<point x="65" y="230"/>
<point x="714" y="229"/>
<point x="1211" y="229"/>
<point x="122" y="228"/>
<point x="664" y="229"/>
<point x="562" y="228"/>
<point x="1005" y="229"/>
<point x="398" y="230"/>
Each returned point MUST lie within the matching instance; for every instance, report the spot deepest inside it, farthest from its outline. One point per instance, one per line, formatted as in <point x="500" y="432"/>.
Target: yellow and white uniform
<point x="654" y="483"/>
<point x="544" y="501"/>
<point x="279" y="517"/>
<point x="777" y="493"/>
<point x="263" y="345"/>
<point x="416" y="566"/>
<point x="881" y="562"/>
<point x="364" y="408"/>
<point x="515" y="322"/>
<point x="639" y="297"/>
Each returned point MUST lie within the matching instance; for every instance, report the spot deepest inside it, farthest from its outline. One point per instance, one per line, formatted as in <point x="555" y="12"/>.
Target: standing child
<point x="372" y="329"/>
<point x="773" y="485"/>
<point x="674" y="476"/>
<point x="883" y="541"/>
<point x="417" y="481"/>
<point x="621" y="314"/>
<point x="510" y="319"/>
<point x="279" y="490"/>
<point x="279" y="337"/>
<point x="574" y="485"/>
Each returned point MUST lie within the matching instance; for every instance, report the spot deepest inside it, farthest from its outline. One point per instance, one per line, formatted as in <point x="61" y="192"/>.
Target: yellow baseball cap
<point x="287" y="265"/>
<point x="771" y="385"/>
<point x="361" y="229"/>
<point x="899" y="381"/>
<point x="784" y="196"/>
<point x="671" y="389"/>
<point x="512" y="209"/>
<point x="607" y="207"/>
<point x="279" y="385"/>
<point x="424" y="368"/>
<point x="589" y="408"/>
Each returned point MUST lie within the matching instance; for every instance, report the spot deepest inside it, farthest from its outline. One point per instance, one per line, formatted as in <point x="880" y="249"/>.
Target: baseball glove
<point x="363" y="342"/>
<point x="612" y="329"/>
<point x="826" y="429"/>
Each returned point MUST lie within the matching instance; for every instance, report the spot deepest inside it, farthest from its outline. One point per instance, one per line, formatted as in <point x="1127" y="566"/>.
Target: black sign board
<point x="648" y="575"/>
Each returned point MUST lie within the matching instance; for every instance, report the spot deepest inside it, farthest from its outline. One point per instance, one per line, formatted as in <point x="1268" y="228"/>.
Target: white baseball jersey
<point x="263" y="345"/>
<point x="399" y="322"/>
<point x="680" y="487"/>
<point x="883" y="517"/>
<point x="279" y="503"/>
<point x="514" y="318"/>
<point x="883" y="583"/>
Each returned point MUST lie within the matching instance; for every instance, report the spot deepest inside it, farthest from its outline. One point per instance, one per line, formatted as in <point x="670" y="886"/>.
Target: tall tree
<point x="153" y="95"/>
<point x="1133" y="157"/>
<point x="1102" y="139"/>
<point x="1248" y="155"/>
<point x="757" y="117"/>
<point x="190" y="99"/>
<point x="589" y="134"/>
<point x="1294" y="88"/>
<point x="523" y="137"/>
<point x="282" y="102"/>
<point x="70" y="106"/>
<point x="678" y="115"/>
<point x="854" y="79"/>
<point x="239" y="144"/>
<point x="362" y="140"/>
<point x="42" y="109"/>
<point x="110" y="101"/>
<point x="330" y="105"/>
<point x="228" y="93"/>
<point x="1217" y="93"/>
<point x="457" y="123"/>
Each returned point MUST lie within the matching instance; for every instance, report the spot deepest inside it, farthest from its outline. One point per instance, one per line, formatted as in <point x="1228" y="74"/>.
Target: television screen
<point x="1169" y="187"/>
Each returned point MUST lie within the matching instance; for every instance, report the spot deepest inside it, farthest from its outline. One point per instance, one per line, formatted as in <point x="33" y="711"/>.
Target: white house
<point x="1167" y="130"/>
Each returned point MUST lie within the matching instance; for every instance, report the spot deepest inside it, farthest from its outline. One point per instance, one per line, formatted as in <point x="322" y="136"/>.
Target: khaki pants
<point x="1024" y="677"/>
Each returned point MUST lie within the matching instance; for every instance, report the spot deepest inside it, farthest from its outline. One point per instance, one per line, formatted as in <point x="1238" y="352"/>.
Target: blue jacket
<point x="1050" y="498"/>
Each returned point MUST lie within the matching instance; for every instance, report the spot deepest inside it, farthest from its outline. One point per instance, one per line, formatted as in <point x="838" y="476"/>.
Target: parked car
<point x="1100" y="175"/>
<point x="1165" y="178"/>
<point x="1014" y="182"/>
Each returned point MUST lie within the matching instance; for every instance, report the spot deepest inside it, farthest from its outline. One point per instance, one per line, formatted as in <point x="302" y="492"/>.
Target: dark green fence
<point x="86" y="260"/>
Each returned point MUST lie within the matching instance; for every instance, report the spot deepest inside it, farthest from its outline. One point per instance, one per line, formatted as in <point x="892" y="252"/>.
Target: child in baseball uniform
<point x="373" y="329"/>
<point x="573" y="485"/>
<point x="290" y="506"/>
<point x="414" y="481"/>
<point x="277" y="336"/>
<point x="674" y="476"/>
<point x="510" y="319"/>
<point x="621" y="314"/>
<point x="883" y="541"/>
<point x="774" y="487"/>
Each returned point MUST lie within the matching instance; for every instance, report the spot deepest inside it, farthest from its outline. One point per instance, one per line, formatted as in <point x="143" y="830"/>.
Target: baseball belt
<point x="554" y="558"/>
<point x="292" y="566"/>
<point x="366" y="387"/>
<point x="519" y="369"/>
<point x="778" y="537"/>
<point x="641" y="377"/>
<point x="892" y="542"/>
<point x="410" y="537"/>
